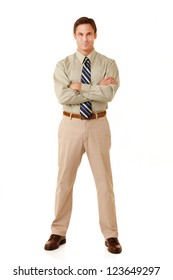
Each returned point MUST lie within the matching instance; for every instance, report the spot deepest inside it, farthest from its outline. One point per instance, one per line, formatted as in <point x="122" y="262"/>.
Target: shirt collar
<point x="81" y="57"/>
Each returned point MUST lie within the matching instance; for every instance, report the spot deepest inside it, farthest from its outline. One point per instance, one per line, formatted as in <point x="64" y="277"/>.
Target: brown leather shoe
<point x="113" y="245"/>
<point x="54" y="242"/>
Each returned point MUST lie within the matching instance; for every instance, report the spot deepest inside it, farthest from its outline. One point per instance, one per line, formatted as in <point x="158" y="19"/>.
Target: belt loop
<point x="96" y="116"/>
<point x="71" y="116"/>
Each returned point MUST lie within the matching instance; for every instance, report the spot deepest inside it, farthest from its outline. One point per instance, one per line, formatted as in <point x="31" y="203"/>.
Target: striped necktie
<point x="86" y="108"/>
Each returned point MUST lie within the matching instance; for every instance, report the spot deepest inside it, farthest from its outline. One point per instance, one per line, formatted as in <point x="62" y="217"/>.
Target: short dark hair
<point x="84" y="20"/>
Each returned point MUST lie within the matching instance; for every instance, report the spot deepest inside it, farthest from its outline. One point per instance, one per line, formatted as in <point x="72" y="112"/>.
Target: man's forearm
<point x="69" y="96"/>
<point x="103" y="92"/>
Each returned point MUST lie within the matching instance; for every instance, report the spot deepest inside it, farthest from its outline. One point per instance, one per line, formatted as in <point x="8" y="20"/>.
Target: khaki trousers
<point x="75" y="137"/>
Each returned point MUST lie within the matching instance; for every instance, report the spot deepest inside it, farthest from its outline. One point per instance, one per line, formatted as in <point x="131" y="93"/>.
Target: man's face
<point x="85" y="37"/>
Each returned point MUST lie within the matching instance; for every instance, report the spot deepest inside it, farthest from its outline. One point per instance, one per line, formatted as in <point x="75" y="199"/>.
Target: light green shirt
<point x="69" y="71"/>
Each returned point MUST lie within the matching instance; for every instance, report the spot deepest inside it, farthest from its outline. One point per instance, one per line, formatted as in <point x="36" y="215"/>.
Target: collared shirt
<point x="69" y="71"/>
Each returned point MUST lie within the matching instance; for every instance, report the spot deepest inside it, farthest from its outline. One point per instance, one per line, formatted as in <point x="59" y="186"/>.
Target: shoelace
<point x="113" y="239"/>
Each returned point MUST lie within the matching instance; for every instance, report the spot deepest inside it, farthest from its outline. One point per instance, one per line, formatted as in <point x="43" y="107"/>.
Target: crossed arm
<point x="76" y="93"/>
<point x="106" y="81"/>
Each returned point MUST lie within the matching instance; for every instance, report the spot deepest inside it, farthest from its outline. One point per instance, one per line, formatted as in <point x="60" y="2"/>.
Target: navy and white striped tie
<point x="86" y="107"/>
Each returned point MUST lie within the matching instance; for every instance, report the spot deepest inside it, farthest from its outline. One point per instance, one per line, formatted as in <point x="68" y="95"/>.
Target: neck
<point x="85" y="53"/>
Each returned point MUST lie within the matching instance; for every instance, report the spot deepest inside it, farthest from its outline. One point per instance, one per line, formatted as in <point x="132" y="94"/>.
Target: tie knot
<point x="86" y="60"/>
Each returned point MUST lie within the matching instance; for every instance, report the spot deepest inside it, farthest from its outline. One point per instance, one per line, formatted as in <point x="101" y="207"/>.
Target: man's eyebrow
<point x="89" y="33"/>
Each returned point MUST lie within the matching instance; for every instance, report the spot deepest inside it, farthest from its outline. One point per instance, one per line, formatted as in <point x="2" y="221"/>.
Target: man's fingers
<point x="108" y="80"/>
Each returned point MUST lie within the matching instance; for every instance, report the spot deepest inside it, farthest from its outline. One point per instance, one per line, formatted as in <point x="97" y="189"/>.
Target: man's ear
<point x="74" y="35"/>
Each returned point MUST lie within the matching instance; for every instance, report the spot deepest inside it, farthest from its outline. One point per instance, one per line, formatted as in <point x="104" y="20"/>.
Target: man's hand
<point x="75" y="86"/>
<point x="108" y="81"/>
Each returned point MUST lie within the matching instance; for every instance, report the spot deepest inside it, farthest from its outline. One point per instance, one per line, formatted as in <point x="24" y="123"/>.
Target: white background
<point x="34" y="36"/>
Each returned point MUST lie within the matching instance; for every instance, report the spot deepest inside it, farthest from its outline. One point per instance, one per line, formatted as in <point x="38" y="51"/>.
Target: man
<point x="84" y="84"/>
